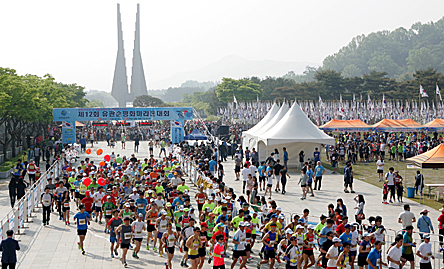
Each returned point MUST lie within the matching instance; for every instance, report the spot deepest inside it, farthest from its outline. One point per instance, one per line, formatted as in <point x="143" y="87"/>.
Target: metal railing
<point x="16" y="218"/>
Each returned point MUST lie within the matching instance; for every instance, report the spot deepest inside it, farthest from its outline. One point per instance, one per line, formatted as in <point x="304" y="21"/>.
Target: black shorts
<point x="138" y="239"/>
<point x="199" y="207"/>
<point x="309" y="184"/>
<point x="202" y="252"/>
<point x="98" y="208"/>
<point x="193" y="257"/>
<point x="77" y="194"/>
<point x="64" y="209"/>
<point x="362" y="261"/>
<point x="239" y="253"/>
<point x="237" y="169"/>
<point x="219" y="266"/>
<point x="303" y="186"/>
<point x="308" y="252"/>
<point x="185" y="248"/>
<point x="248" y="192"/>
<point x="379" y="171"/>
<point x="426" y="265"/>
<point x="170" y="250"/>
<point x="261" y="178"/>
<point x="408" y="257"/>
<point x="269" y="254"/>
<point x="81" y="232"/>
<point x="151" y="228"/>
<point x="253" y="236"/>
<point x="178" y="229"/>
<point x="269" y="185"/>
<point x="81" y="196"/>
<point x="247" y="248"/>
<point x="127" y="246"/>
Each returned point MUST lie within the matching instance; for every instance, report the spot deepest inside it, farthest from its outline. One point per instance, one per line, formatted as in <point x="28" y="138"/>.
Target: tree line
<point x="27" y="102"/>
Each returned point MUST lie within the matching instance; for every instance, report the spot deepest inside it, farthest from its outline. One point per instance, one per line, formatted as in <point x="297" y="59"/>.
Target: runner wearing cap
<point x="161" y="228"/>
<point x="88" y="202"/>
<point x="219" y="253"/>
<point x="284" y="243"/>
<point x="126" y="232"/>
<point x="364" y="249"/>
<point x="425" y="253"/>
<point x="333" y="253"/>
<point x="187" y="232"/>
<point x="169" y="240"/>
<point x="82" y="219"/>
<point x="151" y="216"/>
<point x="292" y="253"/>
<point x="141" y="204"/>
<point x="309" y="245"/>
<point x="239" y="241"/>
<point x="115" y="222"/>
<point x="300" y="238"/>
<point x="200" y="198"/>
<point x="138" y="227"/>
<point x="269" y="240"/>
<point x="98" y="204"/>
<point x="108" y="208"/>
<point x="354" y="243"/>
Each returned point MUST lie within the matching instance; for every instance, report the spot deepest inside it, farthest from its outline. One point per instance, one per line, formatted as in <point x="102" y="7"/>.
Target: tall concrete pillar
<point x="120" y="82"/>
<point x="138" y="83"/>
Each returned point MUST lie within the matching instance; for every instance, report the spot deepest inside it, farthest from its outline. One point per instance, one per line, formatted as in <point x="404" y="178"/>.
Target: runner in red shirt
<point x="88" y="201"/>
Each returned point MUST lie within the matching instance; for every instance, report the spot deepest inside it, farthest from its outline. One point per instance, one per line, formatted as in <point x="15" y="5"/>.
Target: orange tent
<point x="345" y="126"/>
<point x="407" y="125"/>
<point x="433" y="158"/>
<point x="435" y="125"/>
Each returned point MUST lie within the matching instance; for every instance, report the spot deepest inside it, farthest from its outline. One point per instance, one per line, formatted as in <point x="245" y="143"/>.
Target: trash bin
<point x="410" y="192"/>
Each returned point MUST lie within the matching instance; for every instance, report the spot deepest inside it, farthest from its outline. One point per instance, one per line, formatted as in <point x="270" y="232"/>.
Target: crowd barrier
<point x="24" y="208"/>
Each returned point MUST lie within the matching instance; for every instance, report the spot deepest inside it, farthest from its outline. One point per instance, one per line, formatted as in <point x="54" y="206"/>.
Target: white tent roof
<point x="295" y="127"/>
<point x="279" y="115"/>
<point x="271" y="113"/>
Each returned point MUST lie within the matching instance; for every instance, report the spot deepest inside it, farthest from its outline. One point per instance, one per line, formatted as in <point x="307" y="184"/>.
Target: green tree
<point x="243" y="89"/>
<point x="351" y="71"/>
<point x="383" y="62"/>
<point x="94" y="103"/>
<point x="420" y="59"/>
<point x="148" y="101"/>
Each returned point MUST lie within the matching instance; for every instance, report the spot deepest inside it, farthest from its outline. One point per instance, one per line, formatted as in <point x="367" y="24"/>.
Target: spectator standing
<point x="285" y="156"/>
<point x="406" y="218"/>
<point x="9" y="247"/>
<point x="424" y="223"/>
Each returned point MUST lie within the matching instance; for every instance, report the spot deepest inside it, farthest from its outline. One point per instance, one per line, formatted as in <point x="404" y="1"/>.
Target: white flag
<point x="422" y="92"/>
<point x="438" y="92"/>
<point x="234" y="99"/>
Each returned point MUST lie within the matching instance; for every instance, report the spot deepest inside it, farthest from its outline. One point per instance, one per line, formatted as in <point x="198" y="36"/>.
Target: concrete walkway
<point x="56" y="245"/>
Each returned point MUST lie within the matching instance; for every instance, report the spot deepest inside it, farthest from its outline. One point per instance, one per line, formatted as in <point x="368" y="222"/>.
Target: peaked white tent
<point x="279" y="115"/>
<point x="249" y="139"/>
<point x="295" y="132"/>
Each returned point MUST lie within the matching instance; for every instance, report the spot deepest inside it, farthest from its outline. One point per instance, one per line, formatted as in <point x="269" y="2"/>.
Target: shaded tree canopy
<point x="148" y="101"/>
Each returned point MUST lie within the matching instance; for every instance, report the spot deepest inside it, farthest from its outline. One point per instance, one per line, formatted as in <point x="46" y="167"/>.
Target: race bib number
<point x="163" y="227"/>
<point x="229" y="212"/>
<point x="171" y="240"/>
<point x="46" y="201"/>
<point x="66" y="204"/>
<point x="138" y="232"/>
<point x="107" y="212"/>
<point x="82" y="221"/>
<point x="82" y="192"/>
<point x="300" y="244"/>
<point x="378" y="262"/>
<point x="127" y="235"/>
<point x="429" y="254"/>
<point x="141" y="206"/>
<point x="201" y="200"/>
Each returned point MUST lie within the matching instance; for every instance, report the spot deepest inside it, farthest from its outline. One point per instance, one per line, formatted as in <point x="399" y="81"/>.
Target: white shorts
<point x="278" y="178"/>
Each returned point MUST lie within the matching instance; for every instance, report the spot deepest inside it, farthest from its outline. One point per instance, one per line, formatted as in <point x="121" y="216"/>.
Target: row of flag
<point x="320" y="112"/>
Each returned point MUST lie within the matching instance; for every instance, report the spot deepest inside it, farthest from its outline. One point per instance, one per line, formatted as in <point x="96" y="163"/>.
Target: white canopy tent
<point x="249" y="139"/>
<point x="295" y="132"/>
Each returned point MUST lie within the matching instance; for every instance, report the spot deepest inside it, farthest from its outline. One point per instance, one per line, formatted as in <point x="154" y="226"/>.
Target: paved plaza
<point x="55" y="246"/>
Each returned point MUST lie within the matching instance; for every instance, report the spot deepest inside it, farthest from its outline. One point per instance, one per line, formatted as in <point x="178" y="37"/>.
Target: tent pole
<point x="422" y="191"/>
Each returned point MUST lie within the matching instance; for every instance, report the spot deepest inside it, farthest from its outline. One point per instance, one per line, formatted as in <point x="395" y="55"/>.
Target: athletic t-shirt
<point x="82" y="222"/>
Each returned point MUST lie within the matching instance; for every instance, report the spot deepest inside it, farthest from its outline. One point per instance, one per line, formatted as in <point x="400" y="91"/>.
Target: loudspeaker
<point x="223" y="130"/>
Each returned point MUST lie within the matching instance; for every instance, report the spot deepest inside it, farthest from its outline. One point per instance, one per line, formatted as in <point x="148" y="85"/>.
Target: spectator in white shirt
<point x="406" y="218"/>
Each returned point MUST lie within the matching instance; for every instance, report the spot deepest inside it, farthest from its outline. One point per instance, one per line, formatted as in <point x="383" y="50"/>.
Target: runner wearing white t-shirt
<point x="333" y="253"/>
<point x="98" y="204"/>
<point x="394" y="254"/>
<point x="425" y="253"/>
<point x="138" y="226"/>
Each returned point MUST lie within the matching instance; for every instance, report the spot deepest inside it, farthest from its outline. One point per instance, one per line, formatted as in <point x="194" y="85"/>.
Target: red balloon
<point x="107" y="158"/>
<point x="101" y="181"/>
<point x="87" y="181"/>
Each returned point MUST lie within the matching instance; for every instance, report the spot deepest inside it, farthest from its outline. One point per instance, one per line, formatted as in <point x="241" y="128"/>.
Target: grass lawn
<point x="367" y="173"/>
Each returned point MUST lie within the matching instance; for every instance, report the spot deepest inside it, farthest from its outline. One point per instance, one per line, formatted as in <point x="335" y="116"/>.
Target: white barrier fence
<point x="23" y="209"/>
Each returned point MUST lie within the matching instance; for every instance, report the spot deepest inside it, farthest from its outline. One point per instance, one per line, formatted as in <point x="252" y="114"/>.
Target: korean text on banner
<point x="122" y="113"/>
<point x="69" y="132"/>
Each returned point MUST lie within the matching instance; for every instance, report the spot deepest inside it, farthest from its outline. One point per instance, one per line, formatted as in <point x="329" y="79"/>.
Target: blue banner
<point x="68" y="132"/>
<point x="122" y="113"/>
<point x="177" y="134"/>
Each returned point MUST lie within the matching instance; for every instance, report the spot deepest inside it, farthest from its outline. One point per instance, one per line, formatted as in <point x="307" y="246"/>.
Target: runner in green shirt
<point x="235" y="221"/>
<point x="108" y="209"/>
